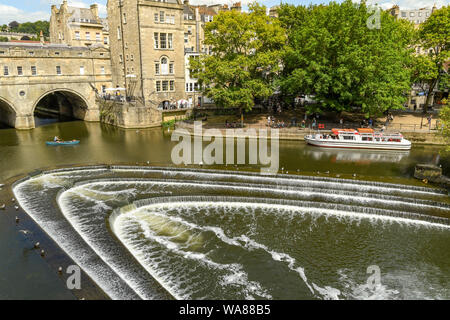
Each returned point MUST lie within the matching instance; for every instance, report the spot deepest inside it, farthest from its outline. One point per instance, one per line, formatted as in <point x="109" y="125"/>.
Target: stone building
<point x="147" y="50"/>
<point x="273" y="11"/>
<point x="30" y="72"/>
<point x="77" y="26"/>
<point x="151" y="42"/>
<point x="416" y="16"/>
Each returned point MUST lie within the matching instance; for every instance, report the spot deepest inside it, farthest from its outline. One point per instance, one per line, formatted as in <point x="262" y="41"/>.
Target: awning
<point x="115" y="89"/>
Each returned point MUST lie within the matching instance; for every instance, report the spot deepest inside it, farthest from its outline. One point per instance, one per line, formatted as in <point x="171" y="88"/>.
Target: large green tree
<point x="434" y="38"/>
<point x="336" y="53"/>
<point x="245" y="57"/>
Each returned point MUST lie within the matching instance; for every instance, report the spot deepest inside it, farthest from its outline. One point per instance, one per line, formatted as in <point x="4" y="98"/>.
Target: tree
<point x="245" y="57"/>
<point x="13" y="25"/>
<point x="333" y="55"/>
<point x="434" y="38"/>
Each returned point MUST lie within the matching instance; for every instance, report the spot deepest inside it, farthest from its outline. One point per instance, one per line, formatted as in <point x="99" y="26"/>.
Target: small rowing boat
<point x="62" y="143"/>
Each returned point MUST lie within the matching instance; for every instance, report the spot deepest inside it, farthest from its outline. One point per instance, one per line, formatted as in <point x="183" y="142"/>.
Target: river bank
<point x="298" y="134"/>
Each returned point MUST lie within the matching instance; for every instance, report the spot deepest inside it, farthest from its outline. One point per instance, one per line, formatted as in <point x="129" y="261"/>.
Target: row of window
<point x="161" y="17"/>
<point x="165" y="85"/>
<point x="56" y="53"/>
<point x="128" y="57"/>
<point x="6" y="70"/>
<point x="205" y="18"/>
<point x="88" y="37"/>
<point x="163" y="40"/>
<point x="412" y="14"/>
<point x="192" y="86"/>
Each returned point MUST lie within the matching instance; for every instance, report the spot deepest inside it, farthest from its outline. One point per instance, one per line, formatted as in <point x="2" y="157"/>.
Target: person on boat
<point x="56" y="139"/>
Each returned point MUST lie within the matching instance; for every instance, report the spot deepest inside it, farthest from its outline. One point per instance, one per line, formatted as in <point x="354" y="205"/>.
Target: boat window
<point x="348" y="137"/>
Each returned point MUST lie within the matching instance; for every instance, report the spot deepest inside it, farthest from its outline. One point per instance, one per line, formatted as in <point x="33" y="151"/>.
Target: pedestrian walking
<point x="341" y="122"/>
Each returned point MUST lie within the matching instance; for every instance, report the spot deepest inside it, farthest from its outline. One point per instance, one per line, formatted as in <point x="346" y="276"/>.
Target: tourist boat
<point x="363" y="138"/>
<point x="62" y="143"/>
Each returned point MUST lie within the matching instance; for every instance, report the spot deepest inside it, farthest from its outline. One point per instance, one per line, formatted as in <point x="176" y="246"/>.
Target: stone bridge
<point x="61" y="78"/>
<point x="18" y="101"/>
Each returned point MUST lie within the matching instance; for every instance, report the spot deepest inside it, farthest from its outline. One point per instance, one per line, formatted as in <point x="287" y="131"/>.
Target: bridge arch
<point x="63" y="102"/>
<point x="7" y="113"/>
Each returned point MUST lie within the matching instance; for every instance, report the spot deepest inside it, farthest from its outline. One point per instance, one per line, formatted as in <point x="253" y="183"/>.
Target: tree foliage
<point x="30" y="27"/>
<point x="334" y="55"/>
<point x="434" y="37"/>
<point x="245" y="59"/>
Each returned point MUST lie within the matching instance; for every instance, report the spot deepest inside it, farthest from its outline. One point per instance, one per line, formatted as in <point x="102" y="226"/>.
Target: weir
<point x="158" y="232"/>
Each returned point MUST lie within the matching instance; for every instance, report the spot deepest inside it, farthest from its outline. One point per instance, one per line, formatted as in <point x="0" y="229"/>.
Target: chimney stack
<point x="94" y="10"/>
<point x="41" y="38"/>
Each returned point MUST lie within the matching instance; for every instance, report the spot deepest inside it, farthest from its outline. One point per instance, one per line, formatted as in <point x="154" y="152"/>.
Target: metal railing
<point x="436" y="126"/>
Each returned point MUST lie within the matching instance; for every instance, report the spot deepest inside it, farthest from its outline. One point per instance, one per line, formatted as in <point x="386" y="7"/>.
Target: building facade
<point x="77" y="26"/>
<point x="151" y="43"/>
<point x="147" y="52"/>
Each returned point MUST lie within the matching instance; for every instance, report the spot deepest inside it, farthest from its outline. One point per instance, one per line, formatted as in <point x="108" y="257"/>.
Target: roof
<point x="337" y="131"/>
<point x="205" y="10"/>
<point x="38" y="45"/>
<point x="27" y="41"/>
<point x="81" y="13"/>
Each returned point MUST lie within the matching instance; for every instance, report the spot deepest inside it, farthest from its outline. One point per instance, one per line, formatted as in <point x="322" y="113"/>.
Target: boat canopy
<point x="337" y="131"/>
<point x="365" y="130"/>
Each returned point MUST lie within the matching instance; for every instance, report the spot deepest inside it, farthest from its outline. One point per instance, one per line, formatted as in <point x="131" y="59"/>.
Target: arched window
<point x="164" y="66"/>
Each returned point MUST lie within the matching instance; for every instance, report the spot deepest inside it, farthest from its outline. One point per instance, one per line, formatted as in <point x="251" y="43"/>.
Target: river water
<point x="156" y="231"/>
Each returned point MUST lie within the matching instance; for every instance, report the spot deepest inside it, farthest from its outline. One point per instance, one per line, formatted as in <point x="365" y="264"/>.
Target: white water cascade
<point x="156" y="233"/>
